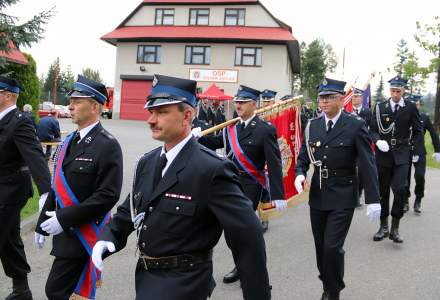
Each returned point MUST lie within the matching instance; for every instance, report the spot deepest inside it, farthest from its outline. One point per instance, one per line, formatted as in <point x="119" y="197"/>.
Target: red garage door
<point x="133" y="97"/>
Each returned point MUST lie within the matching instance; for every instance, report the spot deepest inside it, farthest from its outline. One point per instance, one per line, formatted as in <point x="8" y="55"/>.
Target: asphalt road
<point x="374" y="270"/>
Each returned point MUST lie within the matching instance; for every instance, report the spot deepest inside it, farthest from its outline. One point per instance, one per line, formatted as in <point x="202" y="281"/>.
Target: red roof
<point x="214" y="93"/>
<point x="14" y="55"/>
<point x="197" y="33"/>
<point x="199" y="1"/>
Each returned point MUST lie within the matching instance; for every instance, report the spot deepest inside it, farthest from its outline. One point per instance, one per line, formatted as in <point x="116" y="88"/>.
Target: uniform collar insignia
<point x="88" y="140"/>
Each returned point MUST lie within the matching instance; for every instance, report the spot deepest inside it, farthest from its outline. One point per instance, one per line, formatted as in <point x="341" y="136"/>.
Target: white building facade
<point x="225" y="42"/>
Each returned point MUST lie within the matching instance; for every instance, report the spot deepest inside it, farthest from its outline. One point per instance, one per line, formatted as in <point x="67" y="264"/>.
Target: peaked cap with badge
<point x="357" y="92"/>
<point x="246" y="93"/>
<point x="168" y="90"/>
<point x="397" y="82"/>
<point x="10" y="85"/>
<point x="268" y="95"/>
<point x="87" y="88"/>
<point x="331" y="86"/>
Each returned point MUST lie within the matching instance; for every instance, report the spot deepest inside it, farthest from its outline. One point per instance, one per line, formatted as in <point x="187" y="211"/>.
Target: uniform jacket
<point x="200" y="123"/>
<point x="203" y="113"/>
<point x="306" y="115"/>
<point x="365" y="114"/>
<point x="219" y="115"/>
<point x="172" y="226"/>
<point x="407" y="120"/>
<point x="427" y="126"/>
<point x="347" y="143"/>
<point x="259" y="142"/>
<point x="94" y="173"/>
<point x="48" y="129"/>
<point x="19" y="147"/>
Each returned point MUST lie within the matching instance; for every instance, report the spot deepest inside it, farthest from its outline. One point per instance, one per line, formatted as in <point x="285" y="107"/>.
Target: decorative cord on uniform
<point x="316" y="163"/>
<point x="383" y="130"/>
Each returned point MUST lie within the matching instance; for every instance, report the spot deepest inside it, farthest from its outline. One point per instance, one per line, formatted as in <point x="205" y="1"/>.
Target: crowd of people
<point x="184" y="195"/>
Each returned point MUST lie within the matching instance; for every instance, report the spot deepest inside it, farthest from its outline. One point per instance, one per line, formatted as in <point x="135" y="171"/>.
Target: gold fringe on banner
<point x="78" y="297"/>
<point x="267" y="212"/>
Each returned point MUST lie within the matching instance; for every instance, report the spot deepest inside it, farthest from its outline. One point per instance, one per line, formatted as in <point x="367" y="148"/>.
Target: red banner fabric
<point x="288" y="127"/>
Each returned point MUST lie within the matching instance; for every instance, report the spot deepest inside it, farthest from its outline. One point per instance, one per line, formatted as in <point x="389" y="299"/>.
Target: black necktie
<point x="159" y="168"/>
<point x="396" y="107"/>
<point x="241" y="127"/>
<point x="329" y="126"/>
<point x="74" y="143"/>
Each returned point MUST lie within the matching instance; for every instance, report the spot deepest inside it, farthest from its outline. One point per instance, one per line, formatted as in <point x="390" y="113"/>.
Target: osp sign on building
<point x="210" y="75"/>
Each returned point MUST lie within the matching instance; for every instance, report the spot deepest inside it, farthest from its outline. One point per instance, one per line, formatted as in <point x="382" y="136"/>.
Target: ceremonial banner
<point x="348" y="105"/>
<point x="366" y="97"/>
<point x="288" y="127"/>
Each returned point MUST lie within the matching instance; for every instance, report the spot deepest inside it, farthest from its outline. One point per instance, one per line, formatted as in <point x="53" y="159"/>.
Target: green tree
<point x="318" y="58"/>
<point x="23" y="34"/>
<point x="402" y="56"/>
<point x="27" y="76"/>
<point x="415" y="74"/>
<point x="427" y="38"/>
<point x="92" y="74"/>
<point x="64" y="83"/>
<point x="379" y="93"/>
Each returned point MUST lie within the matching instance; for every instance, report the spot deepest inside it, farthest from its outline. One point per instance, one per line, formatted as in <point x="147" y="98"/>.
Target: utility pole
<point x="437" y="98"/>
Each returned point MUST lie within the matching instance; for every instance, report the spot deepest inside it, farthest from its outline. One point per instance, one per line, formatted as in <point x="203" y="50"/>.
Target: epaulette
<point x="19" y="115"/>
<point x="107" y="134"/>
<point x="211" y="152"/>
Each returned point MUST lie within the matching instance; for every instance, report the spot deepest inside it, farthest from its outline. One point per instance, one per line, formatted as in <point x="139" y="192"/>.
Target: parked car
<point x="63" y="111"/>
<point x="45" y="109"/>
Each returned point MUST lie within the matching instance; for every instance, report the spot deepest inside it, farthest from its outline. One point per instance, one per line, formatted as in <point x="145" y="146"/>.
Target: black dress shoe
<point x="405" y="207"/>
<point x="19" y="295"/>
<point x="325" y="295"/>
<point x="394" y="233"/>
<point x="231" y="276"/>
<point x="265" y="225"/>
<point x="417" y="207"/>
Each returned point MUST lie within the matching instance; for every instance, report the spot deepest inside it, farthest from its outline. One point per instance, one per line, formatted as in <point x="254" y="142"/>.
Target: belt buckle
<point x="393" y="142"/>
<point x="324" y="173"/>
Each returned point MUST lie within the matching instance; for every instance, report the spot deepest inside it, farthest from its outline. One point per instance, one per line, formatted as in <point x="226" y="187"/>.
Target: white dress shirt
<point x="246" y="123"/>
<point x="393" y="104"/>
<point x="6" y="111"/>
<point x="83" y="132"/>
<point x="173" y="152"/>
<point x="334" y="119"/>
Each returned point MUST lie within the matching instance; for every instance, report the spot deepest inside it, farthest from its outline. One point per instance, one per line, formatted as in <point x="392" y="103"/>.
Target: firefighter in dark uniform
<point x="258" y="142"/>
<point x="182" y="198"/>
<point x="199" y="122"/>
<point x="203" y="107"/>
<point x="418" y="159"/>
<point x="333" y="143"/>
<point x="48" y="130"/>
<point x="93" y="169"/>
<point x="364" y="113"/>
<point x="391" y="125"/>
<point x="21" y="156"/>
<point x="307" y="113"/>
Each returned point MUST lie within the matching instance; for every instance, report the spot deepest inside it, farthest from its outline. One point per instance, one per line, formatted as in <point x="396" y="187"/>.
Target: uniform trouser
<point x="12" y="253"/>
<point x="330" y="228"/>
<point x="252" y="190"/>
<point x="396" y="178"/>
<point x="63" y="277"/>
<point x="419" y="177"/>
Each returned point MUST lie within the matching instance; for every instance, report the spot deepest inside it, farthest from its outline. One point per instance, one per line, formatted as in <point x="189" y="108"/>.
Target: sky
<point x="368" y="31"/>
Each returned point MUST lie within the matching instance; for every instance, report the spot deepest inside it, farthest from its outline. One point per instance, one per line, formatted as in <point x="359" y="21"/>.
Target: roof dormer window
<point x="164" y="16"/>
<point x="235" y="17"/>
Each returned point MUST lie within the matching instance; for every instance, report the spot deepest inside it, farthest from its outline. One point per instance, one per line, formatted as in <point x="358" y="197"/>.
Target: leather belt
<point x="9" y="172"/>
<point x="180" y="261"/>
<point x="394" y="142"/>
<point x="329" y="173"/>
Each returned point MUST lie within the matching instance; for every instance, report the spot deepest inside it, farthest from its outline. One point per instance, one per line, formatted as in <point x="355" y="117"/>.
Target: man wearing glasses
<point x="334" y="143"/>
<point x="392" y="124"/>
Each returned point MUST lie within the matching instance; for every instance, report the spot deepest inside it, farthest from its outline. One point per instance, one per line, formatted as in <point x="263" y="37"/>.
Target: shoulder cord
<point x="382" y="129"/>
<point x="316" y="163"/>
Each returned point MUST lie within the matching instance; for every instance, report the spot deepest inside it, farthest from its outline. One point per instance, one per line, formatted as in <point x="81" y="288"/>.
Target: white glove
<point x="383" y="145"/>
<point x="196" y="132"/>
<point x="298" y="183"/>
<point x="280" y="205"/>
<point x="99" y="249"/>
<point x="436" y="156"/>
<point x="415" y="158"/>
<point x="373" y="211"/>
<point x="39" y="240"/>
<point x="51" y="225"/>
<point x="42" y="201"/>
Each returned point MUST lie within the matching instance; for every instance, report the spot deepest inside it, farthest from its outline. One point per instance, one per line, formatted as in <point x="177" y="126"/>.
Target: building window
<point x="197" y="55"/>
<point x="248" y="56"/>
<point x="148" y="54"/>
<point x="234" y="17"/>
<point x="198" y="16"/>
<point x="164" y="16"/>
